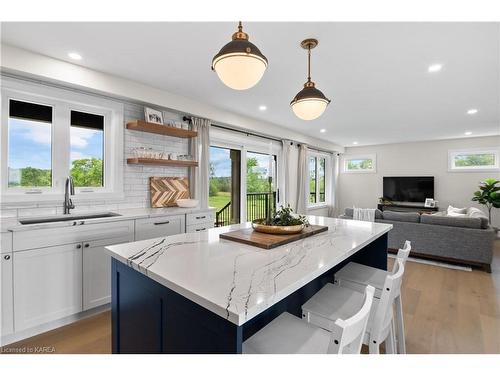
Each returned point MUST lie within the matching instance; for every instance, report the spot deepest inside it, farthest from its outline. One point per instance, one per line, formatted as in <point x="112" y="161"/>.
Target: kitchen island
<point x="196" y="293"/>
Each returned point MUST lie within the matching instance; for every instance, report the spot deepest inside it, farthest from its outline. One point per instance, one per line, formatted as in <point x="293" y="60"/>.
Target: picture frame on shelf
<point x="153" y="116"/>
<point x="430" y="203"/>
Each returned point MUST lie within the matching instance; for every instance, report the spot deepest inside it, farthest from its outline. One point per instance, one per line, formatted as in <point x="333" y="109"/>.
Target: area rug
<point x="435" y="263"/>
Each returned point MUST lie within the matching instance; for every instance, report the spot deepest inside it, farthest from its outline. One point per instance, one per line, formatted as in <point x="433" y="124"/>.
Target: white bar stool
<point x="288" y="334"/>
<point x="330" y="303"/>
<point x="356" y="276"/>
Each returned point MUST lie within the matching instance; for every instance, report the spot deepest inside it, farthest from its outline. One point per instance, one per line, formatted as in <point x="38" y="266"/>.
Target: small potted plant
<point x="282" y="221"/>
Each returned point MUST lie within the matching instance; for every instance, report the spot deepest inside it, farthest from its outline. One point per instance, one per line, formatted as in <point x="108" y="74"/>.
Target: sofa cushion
<point x="349" y="211"/>
<point x="476" y="212"/>
<point x="412" y="217"/>
<point x="465" y="222"/>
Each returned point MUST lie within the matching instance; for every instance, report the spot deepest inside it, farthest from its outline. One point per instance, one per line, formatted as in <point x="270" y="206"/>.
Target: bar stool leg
<point x="400" y="327"/>
<point x="390" y="345"/>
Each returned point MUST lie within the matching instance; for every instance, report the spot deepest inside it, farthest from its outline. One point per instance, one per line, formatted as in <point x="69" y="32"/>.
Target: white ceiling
<point x="375" y="73"/>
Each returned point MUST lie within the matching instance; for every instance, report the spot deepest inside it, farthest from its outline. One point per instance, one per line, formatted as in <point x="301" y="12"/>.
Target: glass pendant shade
<point x="239" y="64"/>
<point x="309" y="103"/>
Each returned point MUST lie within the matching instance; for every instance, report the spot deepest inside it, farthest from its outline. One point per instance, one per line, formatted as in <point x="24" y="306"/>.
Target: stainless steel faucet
<point x="69" y="188"/>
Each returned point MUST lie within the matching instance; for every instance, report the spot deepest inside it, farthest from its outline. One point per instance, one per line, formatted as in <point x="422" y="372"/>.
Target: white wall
<point x="417" y="159"/>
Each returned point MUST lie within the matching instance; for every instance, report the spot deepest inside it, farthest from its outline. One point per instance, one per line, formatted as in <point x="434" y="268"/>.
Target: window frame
<point x="318" y="156"/>
<point x="347" y="158"/>
<point x="63" y="101"/>
<point x="474" y="151"/>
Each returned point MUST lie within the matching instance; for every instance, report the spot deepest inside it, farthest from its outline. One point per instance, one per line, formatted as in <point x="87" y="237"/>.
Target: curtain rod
<point x="247" y="133"/>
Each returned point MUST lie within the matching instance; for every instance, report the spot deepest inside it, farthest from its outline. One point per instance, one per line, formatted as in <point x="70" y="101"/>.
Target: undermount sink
<point x="53" y="219"/>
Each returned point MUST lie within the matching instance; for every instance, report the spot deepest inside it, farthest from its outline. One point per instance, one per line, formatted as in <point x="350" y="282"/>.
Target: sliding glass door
<point x="225" y="182"/>
<point x="243" y="184"/>
<point x="260" y="185"/>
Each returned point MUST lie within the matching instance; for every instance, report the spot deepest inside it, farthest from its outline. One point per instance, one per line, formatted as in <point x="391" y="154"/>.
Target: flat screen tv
<point x="408" y="189"/>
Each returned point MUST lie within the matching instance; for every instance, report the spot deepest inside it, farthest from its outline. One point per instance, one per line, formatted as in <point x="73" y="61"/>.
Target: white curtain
<point x="200" y="149"/>
<point x="333" y="182"/>
<point x="302" y="181"/>
<point x="285" y="193"/>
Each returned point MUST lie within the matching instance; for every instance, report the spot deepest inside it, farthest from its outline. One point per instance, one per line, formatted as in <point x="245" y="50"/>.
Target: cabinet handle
<point x="162" y="222"/>
<point x="7" y="257"/>
<point x="79" y="246"/>
<point x="201" y="229"/>
<point x="86" y="245"/>
<point x="201" y="217"/>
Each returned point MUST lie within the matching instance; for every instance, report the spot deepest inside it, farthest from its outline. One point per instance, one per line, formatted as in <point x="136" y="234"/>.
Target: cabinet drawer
<point x="37" y="238"/>
<point x="200" y="217"/>
<point x="201" y="227"/>
<point x="5" y="242"/>
<point x="159" y="227"/>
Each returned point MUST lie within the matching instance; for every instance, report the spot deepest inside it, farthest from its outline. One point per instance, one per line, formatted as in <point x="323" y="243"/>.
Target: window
<point x="53" y="133"/>
<point x="87" y="149"/>
<point x="317" y="183"/>
<point x="473" y="160"/>
<point x="360" y="163"/>
<point x="29" y="145"/>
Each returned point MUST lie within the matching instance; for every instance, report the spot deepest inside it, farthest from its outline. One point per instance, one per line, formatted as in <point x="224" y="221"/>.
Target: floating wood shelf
<point x="163" y="162"/>
<point x="149" y="127"/>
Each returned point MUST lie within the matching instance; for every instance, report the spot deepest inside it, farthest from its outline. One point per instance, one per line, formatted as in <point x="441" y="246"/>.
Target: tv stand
<point x="406" y="207"/>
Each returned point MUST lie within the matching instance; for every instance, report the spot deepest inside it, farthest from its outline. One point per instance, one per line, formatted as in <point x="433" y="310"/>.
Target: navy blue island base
<point x="148" y="317"/>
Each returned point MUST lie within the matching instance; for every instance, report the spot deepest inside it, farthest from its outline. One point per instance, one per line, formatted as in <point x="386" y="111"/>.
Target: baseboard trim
<point x="484" y="266"/>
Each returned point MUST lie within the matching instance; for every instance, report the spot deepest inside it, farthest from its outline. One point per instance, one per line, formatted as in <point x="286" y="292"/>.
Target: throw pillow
<point x="456" y="210"/>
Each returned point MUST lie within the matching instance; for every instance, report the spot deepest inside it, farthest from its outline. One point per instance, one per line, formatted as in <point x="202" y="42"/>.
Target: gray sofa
<point x="462" y="240"/>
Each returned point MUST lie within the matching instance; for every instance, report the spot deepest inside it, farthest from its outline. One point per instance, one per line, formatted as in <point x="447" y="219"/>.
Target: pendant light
<point x="309" y="103"/>
<point x="239" y="64"/>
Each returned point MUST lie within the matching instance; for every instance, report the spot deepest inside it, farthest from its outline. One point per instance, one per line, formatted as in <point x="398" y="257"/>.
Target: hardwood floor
<point x="446" y="311"/>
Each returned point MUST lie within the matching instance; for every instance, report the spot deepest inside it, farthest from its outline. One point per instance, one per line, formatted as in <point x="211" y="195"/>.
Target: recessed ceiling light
<point x="322" y="130"/>
<point x="468" y="133"/>
<point x="355" y="143"/>
<point x="75" y="56"/>
<point x="434" y="68"/>
<point x="262" y="107"/>
<point x="472" y="111"/>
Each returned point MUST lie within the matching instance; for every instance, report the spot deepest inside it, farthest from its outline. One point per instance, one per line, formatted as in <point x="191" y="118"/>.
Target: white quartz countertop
<point x="238" y="281"/>
<point x="13" y="225"/>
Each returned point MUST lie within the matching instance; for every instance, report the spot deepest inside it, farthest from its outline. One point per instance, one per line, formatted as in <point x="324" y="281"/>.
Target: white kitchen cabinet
<point x="97" y="271"/>
<point x="47" y="284"/>
<point x="200" y="221"/>
<point x="7" y="310"/>
<point x="159" y="227"/>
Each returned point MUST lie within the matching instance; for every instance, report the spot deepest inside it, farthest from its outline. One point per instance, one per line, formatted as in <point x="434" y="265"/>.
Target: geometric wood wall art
<point x="166" y="190"/>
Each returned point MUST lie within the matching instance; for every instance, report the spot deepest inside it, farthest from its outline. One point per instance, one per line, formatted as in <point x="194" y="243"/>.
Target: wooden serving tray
<point x="269" y="241"/>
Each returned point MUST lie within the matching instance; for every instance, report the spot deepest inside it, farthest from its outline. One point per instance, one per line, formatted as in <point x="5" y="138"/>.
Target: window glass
<point x="29" y="145"/>
<point x="87" y="149"/>
<point x="359" y="164"/>
<point x="475" y="160"/>
<point x="321" y="176"/>
<point x="312" y="180"/>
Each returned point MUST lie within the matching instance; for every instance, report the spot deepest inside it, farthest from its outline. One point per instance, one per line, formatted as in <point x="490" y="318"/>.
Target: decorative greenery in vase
<point x="285" y="217"/>
<point x="488" y="194"/>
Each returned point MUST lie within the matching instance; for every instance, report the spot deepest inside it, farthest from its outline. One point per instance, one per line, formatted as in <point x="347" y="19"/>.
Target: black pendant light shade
<point x="309" y="103"/>
<point x="239" y="64"/>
